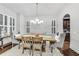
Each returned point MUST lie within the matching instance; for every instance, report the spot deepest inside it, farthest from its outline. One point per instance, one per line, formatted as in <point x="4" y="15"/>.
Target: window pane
<point x="1" y="19"/>
<point x="13" y="28"/>
<point x="6" y="29"/>
<point x="53" y="27"/>
<point x="10" y="30"/>
<point x="10" y="21"/>
<point x="1" y="29"/>
<point x="28" y="27"/>
<point x="28" y="30"/>
<point x="5" y="20"/>
<point x="13" y="22"/>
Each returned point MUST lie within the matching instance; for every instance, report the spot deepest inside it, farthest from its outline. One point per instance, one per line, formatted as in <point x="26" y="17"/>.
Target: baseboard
<point x="74" y="49"/>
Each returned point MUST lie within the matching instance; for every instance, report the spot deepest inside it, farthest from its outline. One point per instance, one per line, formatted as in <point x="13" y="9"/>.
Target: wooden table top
<point x="45" y="37"/>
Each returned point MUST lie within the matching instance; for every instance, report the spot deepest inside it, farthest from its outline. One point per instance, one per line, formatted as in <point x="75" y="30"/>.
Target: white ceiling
<point x="29" y="9"/>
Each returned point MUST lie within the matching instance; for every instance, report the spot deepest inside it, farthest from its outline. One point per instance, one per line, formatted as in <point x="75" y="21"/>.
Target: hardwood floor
<point x="70" y="52"/>
<point x="66" y="45"/>
<point x="67" y="51"/>
<point x="6" y="47"/>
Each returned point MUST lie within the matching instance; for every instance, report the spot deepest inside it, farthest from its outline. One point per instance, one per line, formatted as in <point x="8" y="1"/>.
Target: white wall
<point x="18" y="23"/>
<point x="22" y="24"/>
<point x="42" y="28"/>
<point x="6" y="11"/>
<point x="73" y="10"/>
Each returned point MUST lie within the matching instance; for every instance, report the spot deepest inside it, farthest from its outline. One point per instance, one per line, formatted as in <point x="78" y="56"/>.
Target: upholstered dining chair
<point x="62" y="39"/>
<point x="59" y="41"/>
<point x="37" y="44"/>
<point x="18" y="37"/>
<point x="26" y="43"/>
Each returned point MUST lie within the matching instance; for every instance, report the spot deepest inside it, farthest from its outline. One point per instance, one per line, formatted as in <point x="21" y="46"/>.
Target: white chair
<point x="17" y="40"/>
<point x="55" y="45"/>
<point x="60" y="41"/>
<point x="61" y="38"/>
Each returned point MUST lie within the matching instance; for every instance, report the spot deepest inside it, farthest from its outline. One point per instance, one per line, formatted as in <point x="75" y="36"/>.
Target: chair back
<point x="37" y="44"/>
<point x="26" y="39"/>
<point x="18" y="36"/>
<point x="26" y="43"/>
<point x="37" y="39"/>
<point x="61" y="38"/>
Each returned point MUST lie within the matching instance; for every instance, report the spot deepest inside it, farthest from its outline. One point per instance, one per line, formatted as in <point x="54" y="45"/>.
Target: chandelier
<point x="37" y="20"/>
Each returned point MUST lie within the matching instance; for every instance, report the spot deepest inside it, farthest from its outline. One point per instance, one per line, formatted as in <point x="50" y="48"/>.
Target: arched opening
<point x="66" y="29"/>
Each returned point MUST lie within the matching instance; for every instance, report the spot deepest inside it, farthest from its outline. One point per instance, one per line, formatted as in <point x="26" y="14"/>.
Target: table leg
<point x="12" y="44"/>
<point x="2" y="44"/>
<point x="51" y="49"/>
<point x="47" y="46"/>
<point x="19" y="45"/>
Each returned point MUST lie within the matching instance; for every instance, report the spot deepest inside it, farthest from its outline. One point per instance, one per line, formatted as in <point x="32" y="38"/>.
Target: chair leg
<point x="51" y="49"/>
<point x="41" y="52"/>
<point x="2" y="44"/>
<point x="23" y="51"/>
<point x="61" y="50"/>
<point x="30" y="52"/>
<point x="19" y="45"/>
<point x="12" y="44"/>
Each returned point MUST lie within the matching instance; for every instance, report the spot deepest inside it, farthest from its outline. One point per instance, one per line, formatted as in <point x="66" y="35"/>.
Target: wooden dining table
<point x="46" y="38"/>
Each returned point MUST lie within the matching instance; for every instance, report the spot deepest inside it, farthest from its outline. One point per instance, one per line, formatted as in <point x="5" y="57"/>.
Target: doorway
<point x="66" y="29"/>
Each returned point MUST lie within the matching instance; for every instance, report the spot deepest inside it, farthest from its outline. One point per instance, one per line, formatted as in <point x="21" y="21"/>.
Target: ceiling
<point x="29" y="9"/>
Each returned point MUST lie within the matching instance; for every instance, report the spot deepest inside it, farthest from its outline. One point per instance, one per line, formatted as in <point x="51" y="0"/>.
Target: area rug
<point x="18" y="52"/>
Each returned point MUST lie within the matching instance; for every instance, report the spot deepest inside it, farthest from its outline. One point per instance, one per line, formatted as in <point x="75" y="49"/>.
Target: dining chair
<point x="59" y="42"/>
<point x="62" y="39"/>
<point x="18" y="37"/>
<point x="37" y="44"/>
<point x="26" y="43"/>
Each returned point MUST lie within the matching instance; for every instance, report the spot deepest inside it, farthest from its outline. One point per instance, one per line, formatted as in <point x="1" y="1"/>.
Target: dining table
<point x="47" y="39"/>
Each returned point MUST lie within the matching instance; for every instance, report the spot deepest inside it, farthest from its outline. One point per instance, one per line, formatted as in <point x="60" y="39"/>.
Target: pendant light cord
<point x="36" y="9"/>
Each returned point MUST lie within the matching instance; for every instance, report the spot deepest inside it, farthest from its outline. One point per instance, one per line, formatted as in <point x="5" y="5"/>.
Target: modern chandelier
<point x="37" y="20"/>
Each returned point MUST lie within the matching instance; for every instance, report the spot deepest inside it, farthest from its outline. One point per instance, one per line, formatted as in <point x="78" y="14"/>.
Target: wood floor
<point x="67" y="51"/>
<point x="6" y="47"/>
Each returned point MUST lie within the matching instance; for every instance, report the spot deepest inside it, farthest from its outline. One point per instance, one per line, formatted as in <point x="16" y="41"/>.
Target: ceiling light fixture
<point x="37" y="20"/>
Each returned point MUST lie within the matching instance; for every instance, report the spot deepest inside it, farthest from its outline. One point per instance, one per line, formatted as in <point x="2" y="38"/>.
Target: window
<point x="1" y="23"/>
<point x="4" y="25"/>
<point x="13" y="22"/>
<point x="10" y="30"/>
<point x="53" y="27"/>
<point x="12" y="25"/>
<point x="5" y="20"/>
<point x="10" y="21"/>
<point x="13" y="28"/>
<point x="28" y="27"/>
<point x="0" y="29"/>
<point x="5" y="28"/>
<point x="1" y="19"/>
